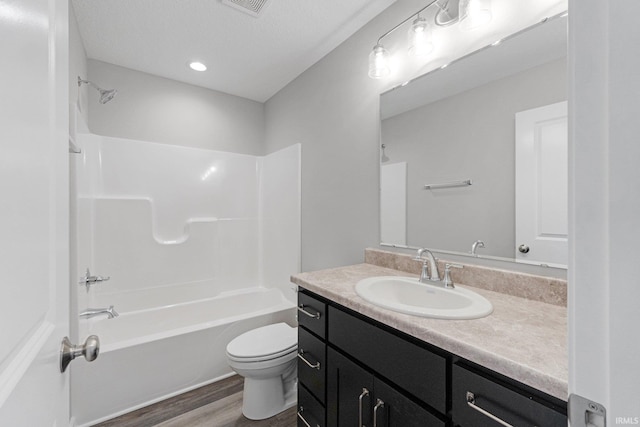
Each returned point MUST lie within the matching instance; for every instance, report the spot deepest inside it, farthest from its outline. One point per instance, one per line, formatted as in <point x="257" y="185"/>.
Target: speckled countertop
<point x="523" y="339"/>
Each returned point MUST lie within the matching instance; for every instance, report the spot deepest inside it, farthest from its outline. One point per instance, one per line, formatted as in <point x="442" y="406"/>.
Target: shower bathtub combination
<point x="198" y="247"/>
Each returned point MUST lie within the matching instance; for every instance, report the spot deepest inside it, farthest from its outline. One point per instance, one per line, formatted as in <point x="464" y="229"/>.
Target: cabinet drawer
<point x="312" y="313"/>
<point x="413" y="368"/>
<point x="515" y="407"/>
<point x="311" y="363"/>
<point x="310" y="411"/>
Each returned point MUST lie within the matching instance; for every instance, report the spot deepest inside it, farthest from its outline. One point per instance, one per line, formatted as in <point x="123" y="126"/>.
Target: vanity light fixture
<point x="197" y="66"/>
<point x="474" y="13"/>
<point x="420" y="41"/>
<point x="469" y="13"/>
<point x="379" y="62"/>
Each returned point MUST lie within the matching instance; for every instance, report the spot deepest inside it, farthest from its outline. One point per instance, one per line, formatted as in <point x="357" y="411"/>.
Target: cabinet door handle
<point x="302" y="418"/>
<point x="471" y="401"/>
<point x="315" y="315"/>
<point x="309" y="364"/>
<point x="364" y="393"/>
<point x="379" y="404"/>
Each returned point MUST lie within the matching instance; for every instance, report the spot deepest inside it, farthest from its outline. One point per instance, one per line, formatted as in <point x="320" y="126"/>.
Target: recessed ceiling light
<point x="197" y="66"/>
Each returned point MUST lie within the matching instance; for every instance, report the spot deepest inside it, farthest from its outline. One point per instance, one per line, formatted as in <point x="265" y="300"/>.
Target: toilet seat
<point x="265" y="343"/>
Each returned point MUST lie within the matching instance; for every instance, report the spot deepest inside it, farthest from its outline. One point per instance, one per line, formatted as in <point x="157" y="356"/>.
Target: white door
<point x="604" y="268"/>
<point x="34" y="240"/>
<point x="541" y="185"/>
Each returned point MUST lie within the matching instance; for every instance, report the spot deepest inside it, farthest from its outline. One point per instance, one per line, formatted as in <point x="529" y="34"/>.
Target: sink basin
<point x="407" y="295"/>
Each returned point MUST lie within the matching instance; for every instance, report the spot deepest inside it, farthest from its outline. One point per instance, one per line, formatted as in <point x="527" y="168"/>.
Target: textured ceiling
<point x="246" y="56"/>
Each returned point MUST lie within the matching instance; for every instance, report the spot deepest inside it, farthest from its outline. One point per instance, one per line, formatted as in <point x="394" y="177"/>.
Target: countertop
<point x="523" y="339"/>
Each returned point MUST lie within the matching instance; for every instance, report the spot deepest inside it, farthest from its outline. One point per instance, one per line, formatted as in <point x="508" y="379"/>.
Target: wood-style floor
<point x="215" y="405"/>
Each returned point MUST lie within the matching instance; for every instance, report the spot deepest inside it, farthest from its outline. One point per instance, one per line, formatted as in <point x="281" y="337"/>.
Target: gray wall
<point x="332" y="109"/>
<point x="468" y="136"/>
<point x="151" y="108"/>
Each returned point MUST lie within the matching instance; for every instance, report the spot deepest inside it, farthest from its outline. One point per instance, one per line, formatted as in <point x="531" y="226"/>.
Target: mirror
<point x="449" y="175"/>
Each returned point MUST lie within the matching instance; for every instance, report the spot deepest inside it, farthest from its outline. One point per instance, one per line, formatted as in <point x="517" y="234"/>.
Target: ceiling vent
<point x="252" y="7"/>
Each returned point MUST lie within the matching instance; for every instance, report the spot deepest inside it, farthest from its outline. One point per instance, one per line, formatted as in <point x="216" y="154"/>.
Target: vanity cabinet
<point x="355" y="371"/>
<point x="357" y="397"/>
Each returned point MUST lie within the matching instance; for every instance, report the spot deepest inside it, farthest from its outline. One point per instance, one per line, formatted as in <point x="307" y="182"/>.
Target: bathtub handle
<point x="89" y="280"/>
<point x="315" y="315"/>
<point x="309" y="364"/>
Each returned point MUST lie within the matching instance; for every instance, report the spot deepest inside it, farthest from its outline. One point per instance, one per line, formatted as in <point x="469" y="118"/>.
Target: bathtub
<point x="164" y="344"/>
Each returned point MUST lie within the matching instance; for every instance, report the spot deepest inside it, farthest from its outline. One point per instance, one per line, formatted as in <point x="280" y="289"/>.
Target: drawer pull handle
<point x="315" y="315"/>
<point x="471" y="401"/>
<point x="309" y="364"/>
<point x="379" y="404"/>
<point x="302" y="418"/>
<point x="364" y="393"/>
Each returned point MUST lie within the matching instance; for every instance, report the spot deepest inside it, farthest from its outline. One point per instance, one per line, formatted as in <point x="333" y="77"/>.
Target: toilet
<point x="266" y="358"/>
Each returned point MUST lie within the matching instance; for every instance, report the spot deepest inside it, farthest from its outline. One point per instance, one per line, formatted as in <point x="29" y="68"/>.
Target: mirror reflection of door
<point x="541" y="185"/>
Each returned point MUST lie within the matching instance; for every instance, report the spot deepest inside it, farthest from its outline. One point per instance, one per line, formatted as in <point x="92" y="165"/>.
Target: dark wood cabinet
<point x="357" y="371"/>
<point x="414" y="368"/>
<point x="356" y="396"/>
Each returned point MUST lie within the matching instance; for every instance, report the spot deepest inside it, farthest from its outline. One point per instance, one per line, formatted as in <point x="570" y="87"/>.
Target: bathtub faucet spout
<point x="91" y="312"/>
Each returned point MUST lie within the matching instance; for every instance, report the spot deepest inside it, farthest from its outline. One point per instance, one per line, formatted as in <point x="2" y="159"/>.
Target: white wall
<point x="280" y="219"/>
<point x="332" y="109"/>
<point x="156" y="215"/>
<point x="151" y="108"/>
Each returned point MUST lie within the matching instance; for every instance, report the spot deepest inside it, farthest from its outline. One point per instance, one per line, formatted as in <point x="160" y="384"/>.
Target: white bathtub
<point x="155" y="350"/>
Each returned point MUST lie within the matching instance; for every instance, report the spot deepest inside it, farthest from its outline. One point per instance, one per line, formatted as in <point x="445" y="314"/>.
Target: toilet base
<point x="264" y="398"/>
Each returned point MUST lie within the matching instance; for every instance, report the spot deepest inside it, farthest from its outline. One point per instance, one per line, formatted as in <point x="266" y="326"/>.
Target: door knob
<point x="523" y="249"/>
<point x="68" y="351"/>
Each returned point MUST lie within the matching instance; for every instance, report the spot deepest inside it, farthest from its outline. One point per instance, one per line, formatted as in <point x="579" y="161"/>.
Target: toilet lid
<point x="263" y="342"/>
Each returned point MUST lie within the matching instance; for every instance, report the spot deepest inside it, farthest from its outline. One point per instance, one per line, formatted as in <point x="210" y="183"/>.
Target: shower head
<point x="106" y="95"/>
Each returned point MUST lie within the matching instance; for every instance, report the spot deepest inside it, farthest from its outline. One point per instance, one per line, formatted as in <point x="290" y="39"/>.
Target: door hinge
<point x="586" y="413"/>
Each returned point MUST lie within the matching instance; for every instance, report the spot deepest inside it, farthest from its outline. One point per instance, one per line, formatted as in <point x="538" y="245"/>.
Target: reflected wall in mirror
<point x="459" y="123"/>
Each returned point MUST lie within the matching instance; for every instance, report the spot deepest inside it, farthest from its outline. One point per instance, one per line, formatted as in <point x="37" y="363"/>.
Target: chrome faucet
<point x="431" y="262"/>
<point x="89" y="280"/>
<point x="477" y="244"/>
<point x="92" y="312"/>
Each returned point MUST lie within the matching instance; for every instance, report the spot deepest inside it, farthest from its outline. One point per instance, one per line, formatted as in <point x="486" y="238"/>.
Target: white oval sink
<point x="407" y="295"/>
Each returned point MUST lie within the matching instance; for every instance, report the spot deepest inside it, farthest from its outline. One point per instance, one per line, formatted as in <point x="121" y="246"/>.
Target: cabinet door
<point x="349" y="392"/>
<point x="396" y="410"/>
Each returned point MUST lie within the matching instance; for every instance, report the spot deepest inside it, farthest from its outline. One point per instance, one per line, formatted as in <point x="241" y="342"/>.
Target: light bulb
<point x="474" y="13"/>
<point x="379" y="62"/>
<point x="420" y="43"/>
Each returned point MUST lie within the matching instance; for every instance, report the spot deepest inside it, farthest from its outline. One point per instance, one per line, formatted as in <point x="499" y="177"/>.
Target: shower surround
<point x="198" y="245"/>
